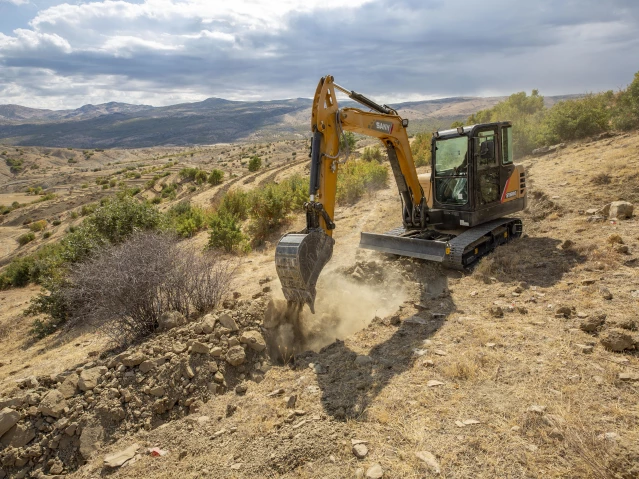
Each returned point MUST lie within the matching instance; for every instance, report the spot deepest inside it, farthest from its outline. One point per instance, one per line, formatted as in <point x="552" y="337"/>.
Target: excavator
<point x="453" y="215"/>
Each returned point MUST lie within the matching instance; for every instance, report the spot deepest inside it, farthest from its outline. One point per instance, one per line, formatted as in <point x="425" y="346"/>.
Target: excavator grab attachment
<point x="299" y="260"/>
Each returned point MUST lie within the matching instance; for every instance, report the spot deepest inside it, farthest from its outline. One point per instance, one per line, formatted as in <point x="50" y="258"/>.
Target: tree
<point x="216" y="177"/>
<point x="421" y="149"/>
<point x="347" y="141"/>
<point x="255" y="163"/>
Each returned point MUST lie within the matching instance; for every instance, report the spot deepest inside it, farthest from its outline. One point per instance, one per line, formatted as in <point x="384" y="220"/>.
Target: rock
<point x="254" y="339"/>
<point x="565" y="311"/>
<point x="622" y="249"/>
<point x="199" y="348"/>
<point x="170" y="320"/>
<point x="605" y="293"/>
<point x="620" y="210"/>
<point x="134" y="359"/>
<point x="70" y="386"/>
<point x="235" y="356"/>
<point x="592" y="324"/>
<point x="584" y="348"/>
<point x="52" y="404"/>
<point x="433" y="383"/>
<point x="90" y="440"/>
<point x="360" y="451"/>
<point x="556" y="433"/>
<point x="629" y="376"/>
<point x="228" y="322"/>
<point x="537" y="409"/>
<point x="147" y="366"/>
<point x="616" y="340"/>
<point x="233" y="342"/>
<point x="18" y="436"/>
<point x="429" y="460"/>
<point x="627" y="323"/>
<point x="496" y="312"/>
<point x="208" y="324"/>
<point x="216" y="351"/>
<point x="8" y="419"/>
<point x="362" y="360"/>
<point x="89" y="378"/>
<point x="157" y="391"/>
<point x="291" y="401"/>
<point x="118" y="459"/>
<point x="375" y="472"/>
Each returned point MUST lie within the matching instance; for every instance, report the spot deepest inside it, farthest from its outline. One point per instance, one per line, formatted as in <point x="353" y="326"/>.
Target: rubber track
<point x="459" y="243"/>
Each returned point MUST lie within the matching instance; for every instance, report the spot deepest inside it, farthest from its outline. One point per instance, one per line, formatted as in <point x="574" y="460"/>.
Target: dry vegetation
<point x="518" y="395"/>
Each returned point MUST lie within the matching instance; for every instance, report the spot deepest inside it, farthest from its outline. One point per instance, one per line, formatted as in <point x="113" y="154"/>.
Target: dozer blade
<point x="299" y="259"/>
<point x="404" y="246"/>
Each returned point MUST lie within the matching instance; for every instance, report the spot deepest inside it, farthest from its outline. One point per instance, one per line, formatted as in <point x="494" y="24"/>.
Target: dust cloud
<point x="343" y="306"/>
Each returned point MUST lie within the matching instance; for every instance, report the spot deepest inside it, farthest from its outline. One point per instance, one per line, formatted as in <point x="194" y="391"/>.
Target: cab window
<point x="487" y="156"/>
<point x="507" y="145"/>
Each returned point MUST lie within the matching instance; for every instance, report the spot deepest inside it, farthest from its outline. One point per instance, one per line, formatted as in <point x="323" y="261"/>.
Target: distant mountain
<point x="214" y="120"/>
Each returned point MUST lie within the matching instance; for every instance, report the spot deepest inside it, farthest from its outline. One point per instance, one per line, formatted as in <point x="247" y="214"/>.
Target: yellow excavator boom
<point x="300" y="257"/>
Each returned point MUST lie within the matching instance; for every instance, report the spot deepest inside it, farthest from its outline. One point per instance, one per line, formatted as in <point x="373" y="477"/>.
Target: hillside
<point x="525" y="367"/>
<point x="215" y="120"/>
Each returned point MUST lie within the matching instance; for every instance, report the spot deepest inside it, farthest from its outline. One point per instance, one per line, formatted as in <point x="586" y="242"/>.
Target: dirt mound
<point x="166" y="378"/>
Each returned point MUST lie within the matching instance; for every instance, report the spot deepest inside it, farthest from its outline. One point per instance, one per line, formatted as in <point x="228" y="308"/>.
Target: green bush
<point x="574" y="119"/>
<point x="255" y="163"/>
<point x="87" y="209"/>
<point x="37" y="226"/>
<point x="269" y="206"/>
<point x="17" y="274"/>
<point x="235" y="203"/>
<point x="26" y="238"/>
<point x="347" y="141"/>
<point x="421" y="149"/>
<point x="625" y="114"/>
<point x="186" y="219"/>
<point x="46" y="234"/>
<point x="225" y="232"/>
<point x="525" y="112"/>
<point x="56" y="222"/>
<point x="216" y="177"/>
<point x="359" y="177"/>
<point x="201" y="176"/>
<point x="372" y="153"/>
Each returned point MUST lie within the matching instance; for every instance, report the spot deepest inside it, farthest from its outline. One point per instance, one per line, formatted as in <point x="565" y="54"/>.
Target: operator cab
<point x="473" y="175"/>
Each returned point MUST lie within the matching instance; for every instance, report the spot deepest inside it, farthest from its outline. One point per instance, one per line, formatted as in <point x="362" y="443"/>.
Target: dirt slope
<point x="499" y="373"/>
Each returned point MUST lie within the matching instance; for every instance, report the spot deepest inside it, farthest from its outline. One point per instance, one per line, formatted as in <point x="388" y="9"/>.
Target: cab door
<point x="508" y="190"/>
<point x="488" y="177"/>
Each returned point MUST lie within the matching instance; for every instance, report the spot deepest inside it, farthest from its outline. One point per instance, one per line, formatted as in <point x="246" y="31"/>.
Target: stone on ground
<point x="8" y="419"/>
<point x="616" y="340"/>
<point x="254" y="340"/>
<point x="53" y="404"/>
<point x="117" y="459"/>
<point x="235" y="356"/>
<point x="429" y="460"/>
<point x="375" y="472"/>
<point x="69" y="387"/>
<point x="360" y="451"/>
<point x="620" y="210"/>
<point x="228" y="322"/>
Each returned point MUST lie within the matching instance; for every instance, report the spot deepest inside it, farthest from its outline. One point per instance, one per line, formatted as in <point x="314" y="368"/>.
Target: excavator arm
<point x="300" y="257"/>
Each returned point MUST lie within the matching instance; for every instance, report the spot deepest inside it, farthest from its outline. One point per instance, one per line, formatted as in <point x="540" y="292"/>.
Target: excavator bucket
<point x="299" y="260"/>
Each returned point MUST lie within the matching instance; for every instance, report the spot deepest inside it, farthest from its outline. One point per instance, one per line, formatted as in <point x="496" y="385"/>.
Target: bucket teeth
<point x="299" y="260"/>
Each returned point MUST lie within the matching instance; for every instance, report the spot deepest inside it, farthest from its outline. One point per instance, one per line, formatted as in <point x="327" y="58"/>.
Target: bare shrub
<point x="124" y="290"/>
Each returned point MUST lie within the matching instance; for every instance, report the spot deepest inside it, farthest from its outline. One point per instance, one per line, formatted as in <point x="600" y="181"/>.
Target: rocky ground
<point x="526" y="367"/>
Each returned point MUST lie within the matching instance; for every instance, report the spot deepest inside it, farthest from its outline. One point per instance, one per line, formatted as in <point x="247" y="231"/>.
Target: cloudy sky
<point x="57" y="54"/>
